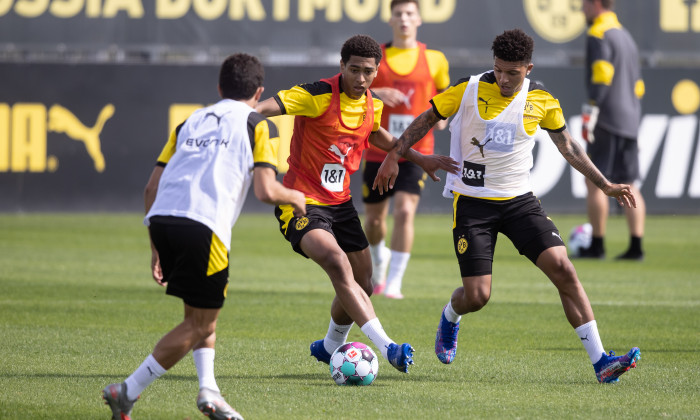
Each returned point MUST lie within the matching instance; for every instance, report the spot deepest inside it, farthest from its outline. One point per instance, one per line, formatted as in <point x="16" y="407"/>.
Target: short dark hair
<point x="361" y="46"/>
<point x="240" y="76"/>
<point x="608" y="4"/>
<point x="513" y="45"/>
<point x="397" y="2"/>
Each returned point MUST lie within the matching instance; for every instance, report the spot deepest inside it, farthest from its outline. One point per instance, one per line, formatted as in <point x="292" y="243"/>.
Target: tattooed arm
<point x="386" y="175"/>
<point x="576" y="156"/>
<point x="416" y="131"/>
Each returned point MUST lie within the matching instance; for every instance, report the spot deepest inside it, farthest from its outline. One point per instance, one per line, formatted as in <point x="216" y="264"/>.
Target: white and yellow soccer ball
<point x="354" y="364"/>
<point x="579" y="238"/>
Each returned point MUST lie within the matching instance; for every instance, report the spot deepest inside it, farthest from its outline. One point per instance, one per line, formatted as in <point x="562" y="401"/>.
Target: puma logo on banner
<point x="61" y="120"/>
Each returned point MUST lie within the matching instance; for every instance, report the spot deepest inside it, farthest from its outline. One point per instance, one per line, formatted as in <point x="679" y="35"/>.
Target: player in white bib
<point x="193" y="198"/>
<point x="496" y="115"/>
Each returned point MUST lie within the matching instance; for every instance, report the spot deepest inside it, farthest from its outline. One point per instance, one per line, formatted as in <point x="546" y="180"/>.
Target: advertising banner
<point x="86" y="137"/>
<point x="292" y="31"/>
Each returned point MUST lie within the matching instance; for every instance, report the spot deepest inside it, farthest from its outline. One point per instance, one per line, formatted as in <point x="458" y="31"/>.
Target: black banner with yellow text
<point x="86" y="137"/>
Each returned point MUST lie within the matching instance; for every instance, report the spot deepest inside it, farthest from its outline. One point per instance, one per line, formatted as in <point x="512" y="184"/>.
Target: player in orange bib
<point x="409" y="76"/>
<point x="335" y="121"/>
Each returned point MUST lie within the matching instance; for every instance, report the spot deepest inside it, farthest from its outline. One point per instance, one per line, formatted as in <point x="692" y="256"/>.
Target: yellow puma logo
<point x="61" y="120"/>
<point x="476" y="143"/>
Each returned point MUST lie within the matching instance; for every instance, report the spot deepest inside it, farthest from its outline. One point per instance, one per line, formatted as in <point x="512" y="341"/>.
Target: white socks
<point x="588" y="333"/>
<point x="204" y="362"/>
<point x="150" y="370"/>
<point x="336" y="336"/>
<point x="375" y="332"/>
<point x="451" y="315"/>
<point x="375" y="250"/>
<point x="144" y="375"/>
<point x="397" y="268"/>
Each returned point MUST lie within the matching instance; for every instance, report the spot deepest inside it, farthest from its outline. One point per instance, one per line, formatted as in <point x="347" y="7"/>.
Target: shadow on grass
<point x="320" y="380"/>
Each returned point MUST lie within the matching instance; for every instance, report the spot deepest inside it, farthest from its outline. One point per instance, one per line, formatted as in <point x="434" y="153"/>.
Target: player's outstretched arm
<point x="576" y="156"/>
<point x="269" y="107"/>
<point x="388" y="171"/>
<point x="416" y="131"/>
<point x="269" y="190"/>
<point x="432" y="163"/>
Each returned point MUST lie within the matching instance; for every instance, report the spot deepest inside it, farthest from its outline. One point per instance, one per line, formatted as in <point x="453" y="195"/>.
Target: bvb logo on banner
<point x="557" y="21"/>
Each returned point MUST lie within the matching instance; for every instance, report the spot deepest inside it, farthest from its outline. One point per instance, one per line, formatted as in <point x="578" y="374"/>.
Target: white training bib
<point x="495" y="154"/>
<point x="208" y="177"/>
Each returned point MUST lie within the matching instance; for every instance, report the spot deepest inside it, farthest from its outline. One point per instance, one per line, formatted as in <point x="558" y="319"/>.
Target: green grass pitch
<point x="78" y="310"/>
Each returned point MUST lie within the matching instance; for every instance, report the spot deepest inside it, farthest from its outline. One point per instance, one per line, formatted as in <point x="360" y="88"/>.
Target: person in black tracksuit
<point x="611" y="120"/>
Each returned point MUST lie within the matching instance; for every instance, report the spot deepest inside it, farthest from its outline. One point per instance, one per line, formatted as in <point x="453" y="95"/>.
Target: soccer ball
<point x="579" y="238"/>
<point x="354" y="364"/>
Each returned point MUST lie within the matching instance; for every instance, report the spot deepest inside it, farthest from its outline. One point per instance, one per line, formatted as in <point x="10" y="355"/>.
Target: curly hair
<point x="240" y="76"/>
<point x="361" y="46"/>
<point x="513" y="45"/>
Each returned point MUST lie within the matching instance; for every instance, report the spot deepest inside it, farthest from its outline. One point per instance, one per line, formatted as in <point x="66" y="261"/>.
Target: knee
<point x="201" y="329"/>
<point x="207" y="329"/>
<point x="402" y="212"/>
<point x="562" y="271"/>
<point x="332" y="260"/>
<point x="479" y="299"/>
<point x="476" y="298"/>
<point x="403" y="215"/>
<point x="373" y="222"/>
<point x="335" y="263"/>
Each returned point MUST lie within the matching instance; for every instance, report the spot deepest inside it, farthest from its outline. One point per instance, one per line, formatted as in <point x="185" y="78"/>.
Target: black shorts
<point x="411" y="179"/>
<point x="341" y="220"/>
<point x="478" y="222"/>
<point x="193" y="259"/>
<point x="616" y="157"/>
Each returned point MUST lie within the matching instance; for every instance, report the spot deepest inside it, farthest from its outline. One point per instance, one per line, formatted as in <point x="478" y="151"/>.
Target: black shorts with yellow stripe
<point x="193" y="259"/>
<point x="341" y="220"/>
<point x="478" y="222"/>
